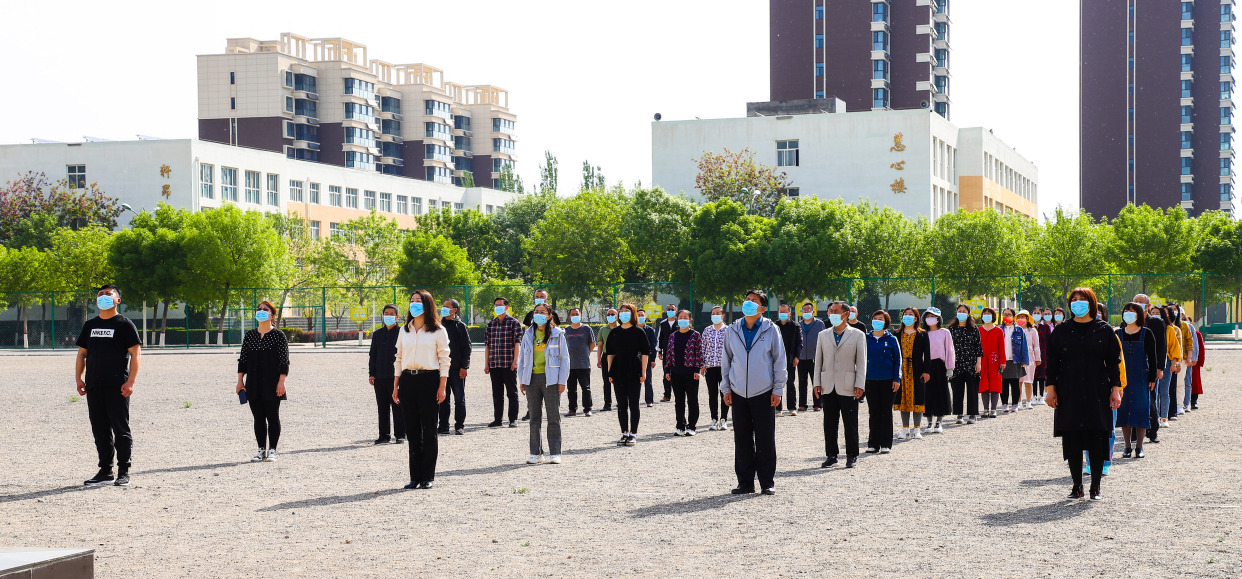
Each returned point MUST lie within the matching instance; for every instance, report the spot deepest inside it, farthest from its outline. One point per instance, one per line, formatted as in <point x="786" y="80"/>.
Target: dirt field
<point x="977" y="501"/>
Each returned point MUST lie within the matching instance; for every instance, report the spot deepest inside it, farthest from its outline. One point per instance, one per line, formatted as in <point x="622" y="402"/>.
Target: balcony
<point x="879" y="83"/>
<point x="1187" y="204"/>
<point x="359" y="148"/>
<point x="305" y="120"/>
<point x="940" y="71"/>
<point x="940" y="97"/>
<point x="879" y="27"/>
<point x="311" y="145"/>
<point x="925" y="30"/>
<point x="924" y="57"/>
<point x="387" y="116"/>
<point x="357" y="99"/>
<point x="940" y="44"/>
<point x="925" y="86"/>
<point x="387" y="138"/>
<point x="462" y="133"/>
<point x="1187" y="179"/>
<point x="1188" y="50"/>
<point x="1188" y="153"/>
<point x="941" y="17"/>
<point x="368" y="124"/>
<point x="1187" y="127"/>
<point x="1187" y="101"/>
<point x="398" y="161"/>
<point x="302" y="94"/>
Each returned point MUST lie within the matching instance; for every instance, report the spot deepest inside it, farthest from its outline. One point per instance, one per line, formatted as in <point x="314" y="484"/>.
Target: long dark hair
<point x="970" y="319"/>
<point x="431" y="318"/>
<point x="918" y="320"/>
<point x="549" y="324"/>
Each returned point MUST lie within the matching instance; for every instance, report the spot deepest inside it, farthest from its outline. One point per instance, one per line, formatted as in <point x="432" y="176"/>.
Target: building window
<point x="431" y="206"/>
<point x="1188" y="9"/>
<point x="503" y="146"/>
<point x="490" y="209"/>
<point x="206" y="178"/>
<point x="1131" y="63"/>
<point x="385" y="202"/>
<point x="458" y="207"/>
<point x="295" y="191"/>
<point x="314" y="193"/>
<point x="361" y="88"/>
<point x="1130" y="114"/>
<point x="1226" y="90"/>
<point x="364" y="161"/>
<point x="357" y="112"/>
<point x="942" y="31"/>
<point x="288" y="104"/>
<point x="368" y="200"/>
<point x="1186" y="87"/>
<point x="879" y="98"/>
<point x="879" y="69"/>
<point x="1188" y="38"/>
<point x="437" y="109"/>
<point x="1185" y="165"/>
<point x="879" y="12"/>
<point x="1226" y="116"/>
<point x="1226" y="13"/>
<point x="942" y="84"/>
<point x="232" y="78"/>
<point x="819" y="69"/>
<point x="439" y="174"/>
<point x="439" y="131"/>
<point x="787" y="153"/>
<point x="942" y="58"/>
<point x="403" y="205"/>
<point x="1187" y="189"/>
<point x="1187" y="112"/>
<point x="438" y="153"/>
<point x="228" y="184"/>
<point x="314" y="230"/>
<point x="502" y="126"/>
<point x="1226" y="167"/>
<point x="790" y="192"/>
<point x="273" y="190"/>
<point x="363" y="137"/>
<point x="334" y="195"/>
<point x="289" y="79"/>
<point x="253" y="180"/>
<point x="819" y="94"/>
<point x="416" y="205"/>
<point x="1225" y="195"/>
<point x="942" y="109"/>
<point x="1226" y="141"/>
<point x="879" y="40"/>
<point x="76" y="175"/>
<point x="1187" y="62"/>
<point x="1226" y="38"/>
<point x="334" y="230"/>
<point x="351" y="198"/>
<point x="1131" y="38"/>
<point x="1186" y="139"/>
<point x="1226" y="65"/>
<point x="819" y="41"/>
<point x="232" y="103"/>
<point x="819" y="12"/>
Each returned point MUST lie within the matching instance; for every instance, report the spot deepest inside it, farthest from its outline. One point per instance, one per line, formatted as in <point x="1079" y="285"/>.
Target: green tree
<point x="548" y="173"/>
<point x="1057" y="251"/>
<point x="431" y="260"/>
<point x="894" y="253"/>
<point x="1218" y="252"/>
<point x="814" y="243"/>
<point x="508" y="181"/>
<point x="512" y="227"/>
<point x="1146" y="240"/>
<point x="654" y="226"/>
<point x="467" y="179"/>
<point x="973" y="250"/>
<point x="592" y="177"/>
<point x="576" y="246"/>
<point x="739" y="177"/>
<point x="150" y="260"/>
<point x="521" y="297"/>
<point x="81" y="259"/>
<point x="728" y="251"/>
<point x="23" y="274"/>
<point x="307" y="255"/>
<point x="365" y="254"/>
<point x="471" y="230"/>
<point x="35" y="231"/>
<point x="70" y="207"/>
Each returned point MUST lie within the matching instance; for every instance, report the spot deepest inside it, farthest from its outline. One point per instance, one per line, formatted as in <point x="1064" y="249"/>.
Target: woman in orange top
<point x="993" y="339"/>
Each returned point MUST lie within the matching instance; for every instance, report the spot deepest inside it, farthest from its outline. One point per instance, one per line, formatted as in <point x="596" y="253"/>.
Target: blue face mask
<point x="717" y="318"/>
<point x="390" y="320"/>
<point x="807" y="316"/>
<point x="642" y="319"/>
<point x="853" y="316"/>
<point x="416" y="309"/>
<point x="834" y="319"/>
<point x="878" y="325"/>
<point x="612" y="319"/>
<point x="1047" y="317"/>
<point x="750" y="308"/>
<point x="500" y="310"/>
<point x="539" y="319"/>
<point x="575" y="319"/>
<point x="683" y="323"/>
<point x="1129" y="317"/>
<point x="1058" y="318"/>
<point x="444" y="312"/>
<point x="961" y="317"/>
<point x="987" y="318"/>
<point x="625" y="317"/>
<point x="670" y="313"/>
<point x="783" y="316"/>
<point x="538" y="301"/>
<point x="907" y="320"/>
<point x="105" y="302"/>
<point x="262" y="316"/>
<point x="1080" y="307"/>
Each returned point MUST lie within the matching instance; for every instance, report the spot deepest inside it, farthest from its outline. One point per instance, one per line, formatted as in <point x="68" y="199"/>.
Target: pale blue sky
<point x="584" y="77"/>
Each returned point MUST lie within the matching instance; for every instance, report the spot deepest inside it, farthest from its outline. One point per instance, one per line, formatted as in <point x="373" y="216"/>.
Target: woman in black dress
<point x="261" y="371"/>
<point x="968" y="354"/>
<point x="1084" y="386"/>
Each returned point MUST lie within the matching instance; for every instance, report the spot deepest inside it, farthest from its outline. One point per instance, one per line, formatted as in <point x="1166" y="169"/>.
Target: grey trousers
<point x="540" y="396"/>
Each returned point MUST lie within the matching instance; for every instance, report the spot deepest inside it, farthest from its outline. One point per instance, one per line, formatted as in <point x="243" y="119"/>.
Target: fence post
<point x="1203" y="296"/>
<point x="1110" y="289"/>
<point x="849" y="292"/>
<point x="323" y="315"/>
<point x="692" y="309"/>
<point x="1019" y="292"/>
<point x="933" y="293"/>
<point x="54" y="337"/>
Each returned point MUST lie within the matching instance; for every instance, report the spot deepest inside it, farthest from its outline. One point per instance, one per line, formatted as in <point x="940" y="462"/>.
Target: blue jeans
<point x="1162" y="391"/>
<point x="1189" y="388"/>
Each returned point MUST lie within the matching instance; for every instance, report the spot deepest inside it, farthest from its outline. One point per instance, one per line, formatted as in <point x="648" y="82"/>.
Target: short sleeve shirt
<point x="579" y="341"/>
<point x="107" y="343"/>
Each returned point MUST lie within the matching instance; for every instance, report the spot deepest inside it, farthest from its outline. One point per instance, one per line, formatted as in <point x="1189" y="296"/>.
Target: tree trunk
<point x="887" y="299"/>
<point x="25" y="326"/>
<point x="164" y="323"/>
<point x="224" y="310"/>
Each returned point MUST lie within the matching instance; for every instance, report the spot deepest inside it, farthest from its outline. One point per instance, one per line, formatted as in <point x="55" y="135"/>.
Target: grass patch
<point x="188" y="404"/>
<point x="521" y="491"/>
<point x="74" y="398"/>
<point x="526" y="544"/>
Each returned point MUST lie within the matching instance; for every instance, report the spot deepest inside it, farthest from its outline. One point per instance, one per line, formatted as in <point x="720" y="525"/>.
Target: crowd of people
<point x="1097" y="377"/>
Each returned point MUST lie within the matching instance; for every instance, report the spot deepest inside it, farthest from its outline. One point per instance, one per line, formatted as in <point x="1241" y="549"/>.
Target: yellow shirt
<point x="1123" y="363"/>
<point x="1188" y="338"/>
<point x="1174" y="338"/>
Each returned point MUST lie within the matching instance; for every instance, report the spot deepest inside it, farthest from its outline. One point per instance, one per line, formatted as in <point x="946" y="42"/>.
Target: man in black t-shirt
<point x="109" y="353"/>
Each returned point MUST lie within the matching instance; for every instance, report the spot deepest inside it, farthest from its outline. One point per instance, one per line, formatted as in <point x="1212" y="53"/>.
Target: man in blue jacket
<point x="753" y="375"/>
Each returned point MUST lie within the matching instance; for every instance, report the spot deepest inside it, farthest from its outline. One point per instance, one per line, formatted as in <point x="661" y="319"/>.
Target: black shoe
<point x="383" y="440"/>
<point x="459" y="432"/>
<point x="399" y="440"/>
<point x="623" y="440"/>
<point x="1127" y="453"/>
<point x="829" y="463"/>
<point x="743" y="490"/>
<point x="122" y="479"/>
<point x="665" y="399"/>
<point x="1075" y="493"/>
<point x="103" y="477"/>
<point x="571" y="413"/>
<point x="512" y="425"/>
<point x="769" y="491"/>
<point x="606" y="409"/>
<point x="495" y="424"/>
<point x="1139" y="453"/>
<point x="526" y="417"/>
<point x="426" y="485"/>
<point x="1095" y="495"/>
<point x="443" y="431"/>
<point x="411" y="486"/>
<point x="851" y="462"/>
<point x="1194" y="407"/>
<point x="630" y="439"/>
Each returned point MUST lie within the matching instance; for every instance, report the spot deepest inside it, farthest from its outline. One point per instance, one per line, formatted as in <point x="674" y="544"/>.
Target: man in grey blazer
<point x="840" y="375"/>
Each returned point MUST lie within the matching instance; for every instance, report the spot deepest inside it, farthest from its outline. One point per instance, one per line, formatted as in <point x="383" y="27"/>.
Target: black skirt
<point x="937" y="390"/>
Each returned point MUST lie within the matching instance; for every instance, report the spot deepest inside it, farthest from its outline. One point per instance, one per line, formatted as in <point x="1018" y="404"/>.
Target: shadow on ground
<point x="686" y="507"/>
<point x="328" y="501"/>
<point x="43" y="493"/>
<point x="1049" y="513"/>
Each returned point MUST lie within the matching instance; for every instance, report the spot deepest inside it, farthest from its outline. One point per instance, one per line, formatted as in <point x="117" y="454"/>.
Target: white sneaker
<point x="870" y="449"/>
<point x="939" y="429"/>
<point x="555" y="459"/>
<point x="259" y="456"/>
<point x="1164" y="422"/>
<point x="729" y="426"/>
<point x="885" y="450"/>
<point x="793" y="412"/>
<point x="534" y="459"/>
<point x="271" y="456"/>
<point x="961" y="420"/>
<point x="689" y="432"/>
<point x="715" y="423"/>
<point x="917" y="434"/>
<point x="970" y="420"/>
<point x="904" y="434"/>
<point x="679" y="432"/>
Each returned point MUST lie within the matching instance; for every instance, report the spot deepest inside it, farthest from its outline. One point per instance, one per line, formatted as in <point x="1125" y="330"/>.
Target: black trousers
<point x="806" y="369"/>
<point x="504" y="383"/>
<point x="965" y="394"/>
<point x="879" y="414"/>
<point x="454" y="394"/>
<point x="791" y="371"/>
<point x="1095" y="444"/>
<point x="383" y="401"/>
<point x="1010" y="385"/>
<point x="577" y="378"/>
<point x="650" y="391"/>
<point x="267" y="422"/>
<point x="1154" y="429"/>
<point x="418" y="401"/>
<point x="627" y="403"/>
<point x="1174" y="399"/>
<point x="603" y="372"/>
<point x="1039" y="385"/>
<point x="668" y="387"/>
<point x="754" y="440"/>
<point x="109" y="415"/>
<point x="686" y="389"/>
<point x="715" y="401"/>
<point x="838" y="408"/>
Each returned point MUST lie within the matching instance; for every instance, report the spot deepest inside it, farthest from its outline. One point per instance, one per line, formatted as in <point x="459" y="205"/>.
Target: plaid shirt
<point x="501" y="336"/>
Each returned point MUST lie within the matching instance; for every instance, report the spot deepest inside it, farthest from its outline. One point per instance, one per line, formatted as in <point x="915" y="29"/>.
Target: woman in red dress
<point x="1197" y="389"/>
<point x="993" y="339"/>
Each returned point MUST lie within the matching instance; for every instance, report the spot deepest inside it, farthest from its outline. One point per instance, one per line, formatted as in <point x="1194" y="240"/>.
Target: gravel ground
<point x="977" y="501"/>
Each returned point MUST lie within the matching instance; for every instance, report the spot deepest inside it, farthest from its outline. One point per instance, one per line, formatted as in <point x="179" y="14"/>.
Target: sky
<point x="584" y="77"/>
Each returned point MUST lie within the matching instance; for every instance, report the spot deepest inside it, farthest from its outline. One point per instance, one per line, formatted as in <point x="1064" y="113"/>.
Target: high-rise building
<point x="877" y="55"/>
<point x="323" y="100"/>
<point x="1156" y="105"/>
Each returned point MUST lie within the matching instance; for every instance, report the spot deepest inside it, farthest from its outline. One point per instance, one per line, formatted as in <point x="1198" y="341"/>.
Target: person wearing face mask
<point x="601" y="361"/>
<point x="1189" y="348"/>
<point x="855" y="323"/>
<point x="940" y="362"/>
<point x="501" y="341"/>
<point x="261" y="371"/>
<point x="968" y="354"/>
<point x="884" y="362"/>
<point x="683" y="362"/>
<point x="1017" y="356"/>
<point x="422" y="367"/>
<point x="541" y="297"/>
<point x="1025" y="323"/>
<point x="1138" y="347"/>
<point x="713" y="347"/>
<point x="543" y="370"/>
<point x="380" y="371"/>
<point x="791" y="335"/>
<point x="992" y="341"/>
<point x="1197" y="390"/>
<point x="653" y="342"/>
<point x="1084" y="387"/>
<point x="911" y="399"/>
<point x="754" y="377"/>
<point x="1043" y="329"/>
<point x="1173" y="339"/>
<point x="1192" y="362"/>
<point x="109" y="356"/>
<point x="811" y="327"/>
<point x="1159" y="333"/>
<point x="840" y="378"/>
<point x="628" y="351"/>
<point x="459" y="357"/>
<point x="666" y="328"/>
<point x="581" y="340"/>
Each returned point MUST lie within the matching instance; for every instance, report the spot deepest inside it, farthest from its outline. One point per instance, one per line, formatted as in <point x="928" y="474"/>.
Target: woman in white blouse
<point x="421" y="369"/>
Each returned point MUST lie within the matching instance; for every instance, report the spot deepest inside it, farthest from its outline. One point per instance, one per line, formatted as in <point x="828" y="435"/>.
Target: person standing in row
<point x="1043" y="329"/>
<point x="1159" y="332"/>
<point x="792" y="337"/>
<point x="811" y="326"/>
<point x="884" y="361"/>
<point x="628" y="352"/>
<point x="262" y="368"/>
<point x="422" y="368"/>
<point x="855" y="322"/>
<point x="1198" y="377"/>
<point x="501" y="341"/>
<point x="653" y="343"/>
<point x="968" y="354"/>
<point x="992" y="339"/>
<point x="713" y="347"/>
<point x="1084" y="386"/>
<point x="459" y="367"/>
<point x="1138" y="347"/>
<point x="380" y="372"/>
<point x="940" y="361"/>
<point x="581" y="340"/>
<point x="1017" y="356"/>
<point x="543" y="370"/>
<point x="541" y="297"/>
<point x="1173" y="339"/>
<point x="683" y="361"/>
<point x="601" y="361"/>
<point x="840" y="376"/>
<point x="109" y="356"/>
<point x="753" y="371"/>
<point x="1192" y="362"/>
<point x="912" y="399"/>
<point x="1025" y="323"/>
<point x="666" y="327"/>
<point x="1189" y="349"/>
